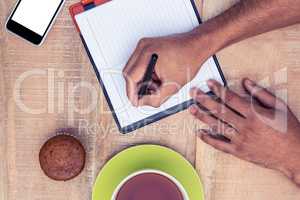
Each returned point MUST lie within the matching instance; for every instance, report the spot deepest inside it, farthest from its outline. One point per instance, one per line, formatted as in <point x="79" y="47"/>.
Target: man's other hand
<point x="261" y="130"/>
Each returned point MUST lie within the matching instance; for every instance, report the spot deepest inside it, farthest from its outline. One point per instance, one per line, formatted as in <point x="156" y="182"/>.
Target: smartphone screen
<point x="31" y="19"/>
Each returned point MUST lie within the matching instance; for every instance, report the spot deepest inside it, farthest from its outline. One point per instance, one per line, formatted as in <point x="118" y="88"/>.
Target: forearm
<point x="246" y="19"/>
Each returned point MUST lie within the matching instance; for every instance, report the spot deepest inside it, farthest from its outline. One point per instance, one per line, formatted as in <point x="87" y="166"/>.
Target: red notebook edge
<point x="74" y="10"/>
<point x="82" y="6"/>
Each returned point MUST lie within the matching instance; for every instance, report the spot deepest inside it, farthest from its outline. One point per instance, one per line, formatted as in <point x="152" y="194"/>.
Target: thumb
<point x="262" y="95"/>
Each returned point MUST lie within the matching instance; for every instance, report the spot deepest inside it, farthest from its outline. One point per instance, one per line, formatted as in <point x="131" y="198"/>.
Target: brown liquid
<point x="149" y="186"/>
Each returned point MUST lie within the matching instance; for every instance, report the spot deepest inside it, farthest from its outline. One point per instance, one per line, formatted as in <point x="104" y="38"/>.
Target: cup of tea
<point x="150" y="185"/>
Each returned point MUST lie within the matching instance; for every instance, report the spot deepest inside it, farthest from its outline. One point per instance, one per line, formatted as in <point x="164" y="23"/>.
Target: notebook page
<point x="112" y="31"/>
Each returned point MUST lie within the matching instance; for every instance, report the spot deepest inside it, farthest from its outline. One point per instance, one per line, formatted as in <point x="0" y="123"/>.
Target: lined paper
<point x="112" y="31"/>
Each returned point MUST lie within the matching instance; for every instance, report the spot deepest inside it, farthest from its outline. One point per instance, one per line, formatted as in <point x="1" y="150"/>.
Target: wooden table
<point x="62" y="64"/>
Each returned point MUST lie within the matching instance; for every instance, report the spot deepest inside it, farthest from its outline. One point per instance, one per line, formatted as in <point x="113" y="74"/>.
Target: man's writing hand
<point x="178" y="63"/>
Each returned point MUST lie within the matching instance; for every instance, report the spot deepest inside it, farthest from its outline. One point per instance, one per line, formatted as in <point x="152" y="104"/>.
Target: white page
<point x="112" y="31"/>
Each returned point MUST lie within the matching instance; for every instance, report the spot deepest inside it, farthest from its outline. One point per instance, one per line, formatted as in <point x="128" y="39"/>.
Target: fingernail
<point x="193" y="109"/>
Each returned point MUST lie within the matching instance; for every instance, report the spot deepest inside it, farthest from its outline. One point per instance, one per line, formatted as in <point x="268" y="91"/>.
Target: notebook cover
<point x="89" y="4"/>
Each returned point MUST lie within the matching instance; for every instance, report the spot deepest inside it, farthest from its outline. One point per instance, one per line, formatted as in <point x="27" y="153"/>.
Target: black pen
<point x="148" y="76"/>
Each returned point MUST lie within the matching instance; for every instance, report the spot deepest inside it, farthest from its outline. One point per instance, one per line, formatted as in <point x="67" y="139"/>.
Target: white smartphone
<point x="32" y="19"/>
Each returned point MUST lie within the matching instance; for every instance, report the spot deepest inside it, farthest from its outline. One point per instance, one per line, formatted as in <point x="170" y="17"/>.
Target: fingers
<point x="133" y="75"/>
<point x="134" y="72"/>
<point x="161" y="95"/>
<point x="207" y="137"/>
<point x="138" y="69"/>
<point x="217" y="109"/>
<point x="216" y="125"/>
<point x="229" y="97"/>
<point x="132" y="91"/>
<point x="262" y="95"/>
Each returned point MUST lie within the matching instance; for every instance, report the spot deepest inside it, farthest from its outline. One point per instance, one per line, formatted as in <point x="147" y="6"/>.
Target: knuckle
<point x="228" y="96"/>
<point x="201" y="98"/>
<point x="229" y="132"/>
<point x="217" y="110"/>
<point x="151" y="49"/>
<point x="215" y="128"/>
<point x="222" y="109"/>
<point x="133" y="74"/>
<point x="125" y="73"/>
<point x="219" y="89"/>
<point x="147" y="51"/>
<point x="200" y="115"/>
<point x="143" y="41"/>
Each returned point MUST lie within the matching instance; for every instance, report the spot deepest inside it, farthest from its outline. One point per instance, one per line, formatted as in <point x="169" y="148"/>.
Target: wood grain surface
<point x="61" y="65"/>
<point x="53" y="71"/>
<point x="273" y="60"/>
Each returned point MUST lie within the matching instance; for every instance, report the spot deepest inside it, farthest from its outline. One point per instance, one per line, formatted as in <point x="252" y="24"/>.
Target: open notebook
<point x="111" y="32"/>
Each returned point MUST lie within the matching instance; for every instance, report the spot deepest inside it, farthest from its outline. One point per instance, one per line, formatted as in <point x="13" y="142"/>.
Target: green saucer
<point x="147" y="157"/>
